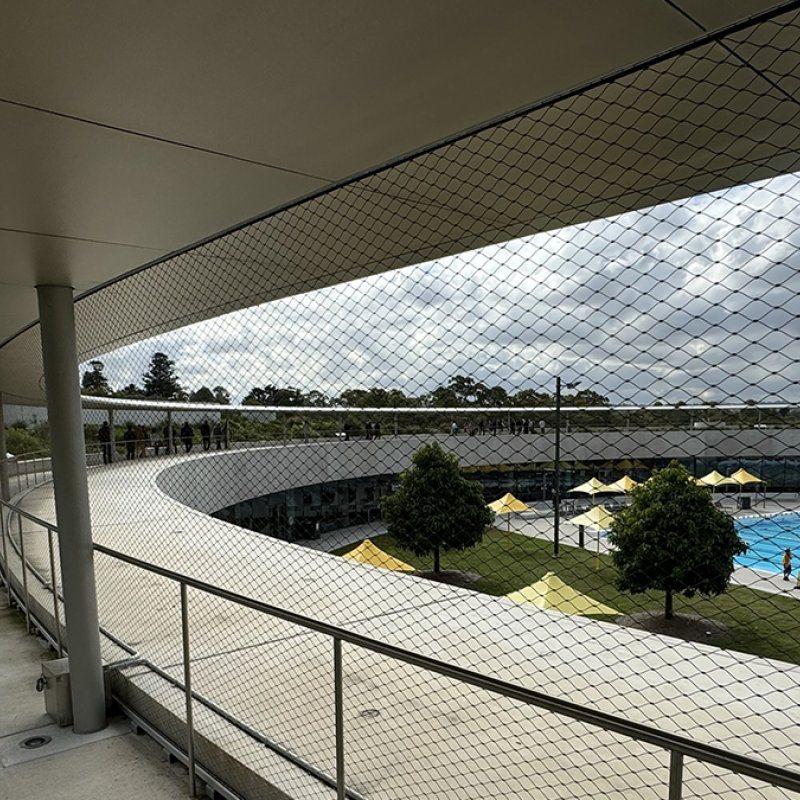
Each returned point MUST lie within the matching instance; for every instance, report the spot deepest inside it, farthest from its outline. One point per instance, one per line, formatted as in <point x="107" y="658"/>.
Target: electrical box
<point x="55" y="683"/>
<point x="57" y="697"/>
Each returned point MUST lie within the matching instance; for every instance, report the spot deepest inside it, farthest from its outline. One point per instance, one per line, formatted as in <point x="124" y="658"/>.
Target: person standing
<point x="787" y="563"/>
<point x="142" y="440"/>
<point x="104" y="436"/>
<point x="187" y="437"/>
<point x="376" y="430"/>
<point x="218" y="435"/>
<point x="129" y="437"/>
<point x="205" y="435"/>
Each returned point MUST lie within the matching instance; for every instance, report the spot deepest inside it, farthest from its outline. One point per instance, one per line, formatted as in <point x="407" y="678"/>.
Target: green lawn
<point x="759" y="623"/>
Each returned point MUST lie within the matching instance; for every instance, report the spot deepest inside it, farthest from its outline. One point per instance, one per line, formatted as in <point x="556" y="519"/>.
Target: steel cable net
<point x="603" y="289"/>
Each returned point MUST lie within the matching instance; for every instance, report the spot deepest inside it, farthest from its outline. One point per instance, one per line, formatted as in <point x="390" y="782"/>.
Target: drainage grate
<point x="33" y="742"/>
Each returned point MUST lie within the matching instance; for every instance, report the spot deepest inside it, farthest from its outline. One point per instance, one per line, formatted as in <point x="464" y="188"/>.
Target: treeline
<point x="161" y="382"/>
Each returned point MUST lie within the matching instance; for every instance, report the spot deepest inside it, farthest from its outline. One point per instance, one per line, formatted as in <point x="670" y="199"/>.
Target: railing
<point x="679" y="747"/>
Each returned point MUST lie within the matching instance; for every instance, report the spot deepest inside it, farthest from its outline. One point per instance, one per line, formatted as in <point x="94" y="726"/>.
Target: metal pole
<point x="5" y="489"/>
<point x="113" y="443"/>
<point x="6" y="571"/>
<point x="54" y="583"/>
<point x="557" y="472"/>
<point x="68" y="448"/>
<point x="187" y="682"/>
<point x="24" y="574"/>
<point x="675" y="775"/>
<point x="341" y="789"/>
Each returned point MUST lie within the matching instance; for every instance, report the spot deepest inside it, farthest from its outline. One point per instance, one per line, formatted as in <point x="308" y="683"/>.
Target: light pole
<point x="557" y="465"/>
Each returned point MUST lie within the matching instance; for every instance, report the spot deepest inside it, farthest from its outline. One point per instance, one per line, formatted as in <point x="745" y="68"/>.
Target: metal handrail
<point x="678" y="746"/>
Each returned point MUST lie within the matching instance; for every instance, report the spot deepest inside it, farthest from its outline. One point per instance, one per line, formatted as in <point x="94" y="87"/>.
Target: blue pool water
<point x="767" y="538"/>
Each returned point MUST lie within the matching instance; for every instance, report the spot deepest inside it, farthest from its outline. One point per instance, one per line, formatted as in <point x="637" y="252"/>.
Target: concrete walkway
<point x="445" y="739"/>
<point x="114" y="764"/>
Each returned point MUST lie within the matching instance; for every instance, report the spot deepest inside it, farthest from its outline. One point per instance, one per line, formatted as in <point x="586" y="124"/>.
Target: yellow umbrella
<point x="552" y="593"/>
<point x="742" y="476"/>
<point x="715" y="479"/>
<point x="624" y="484"/>
<point x="371" y="554"/>
<point x="593" y="486"/>
<point x="508" y="504"/>
<point x="598" y="518"/>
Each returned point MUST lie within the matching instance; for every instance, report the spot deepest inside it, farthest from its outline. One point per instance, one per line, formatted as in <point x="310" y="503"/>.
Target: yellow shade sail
<point x="598" y="518"/>
<point x="508" y="504"/>
<point x="553" y="594"/>
<point x="371" y="554"/>
<point x="624" y="484"/>
<point x="742" y="476"/>
<point x="592" y="486"/>
<point x="715" y="478"/>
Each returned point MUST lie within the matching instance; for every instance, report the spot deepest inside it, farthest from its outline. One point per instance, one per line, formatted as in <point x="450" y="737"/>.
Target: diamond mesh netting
<point x="591" y="306"/>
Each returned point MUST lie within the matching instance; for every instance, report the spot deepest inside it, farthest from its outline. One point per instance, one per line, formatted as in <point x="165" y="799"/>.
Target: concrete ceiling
<point x="129" y="130"/>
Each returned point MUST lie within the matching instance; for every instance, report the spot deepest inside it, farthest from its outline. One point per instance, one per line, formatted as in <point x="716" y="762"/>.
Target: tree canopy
<point x="160" y="380"/>
<point x="202" y="395"/>
<point x="94" y="381"/>
<point x="434" y="507"/>
<point x="672" y="538"/>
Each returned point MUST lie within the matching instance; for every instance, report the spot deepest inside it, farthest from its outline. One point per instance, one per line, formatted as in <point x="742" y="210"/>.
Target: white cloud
<point x="697" y="300"/>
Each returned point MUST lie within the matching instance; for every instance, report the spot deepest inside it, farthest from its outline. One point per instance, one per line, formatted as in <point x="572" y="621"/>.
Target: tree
<point x="434" y="508"/>
<point x="273" y="396"/>
<point x="131" y="390"/>
<point x="672" y="538"/>
<point x="94" y="382"/>
<point x="202" y="395"/>
<point x="222" y="396"/>
<point x="465" y="389"/>
<point x="160" y="379"/>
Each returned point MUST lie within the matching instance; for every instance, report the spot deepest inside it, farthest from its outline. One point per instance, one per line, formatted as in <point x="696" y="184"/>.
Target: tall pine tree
<point x="160" y="380"/>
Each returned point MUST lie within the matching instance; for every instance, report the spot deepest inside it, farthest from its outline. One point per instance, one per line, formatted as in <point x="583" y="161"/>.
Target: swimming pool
<point x="767" y="538"/>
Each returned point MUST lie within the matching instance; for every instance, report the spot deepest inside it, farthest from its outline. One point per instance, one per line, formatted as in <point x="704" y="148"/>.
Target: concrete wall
<point x="214" y="480"/>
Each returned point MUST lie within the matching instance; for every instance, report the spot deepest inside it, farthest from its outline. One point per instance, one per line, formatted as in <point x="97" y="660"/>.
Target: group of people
<point x="516" y="427"/>
<point x="137" y="439"/>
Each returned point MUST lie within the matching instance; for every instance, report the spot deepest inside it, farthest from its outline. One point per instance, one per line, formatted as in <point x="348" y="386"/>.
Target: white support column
<point x="67" y="445"/>
<point x="5" y="489"/>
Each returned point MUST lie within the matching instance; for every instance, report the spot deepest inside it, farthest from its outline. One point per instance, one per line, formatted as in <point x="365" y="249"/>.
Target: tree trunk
<point x="668" y="605"/>
<point x="436" y="560"/>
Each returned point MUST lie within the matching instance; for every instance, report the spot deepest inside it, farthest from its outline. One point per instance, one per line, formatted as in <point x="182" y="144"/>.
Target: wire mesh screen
<point x="526" y="403"/>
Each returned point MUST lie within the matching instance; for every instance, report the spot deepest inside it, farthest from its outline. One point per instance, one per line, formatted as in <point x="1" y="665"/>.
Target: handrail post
<point x="24" y="574"/>
<point x="341" y="790"/>
<point x="56" y="610"/>
<point x="675" y="775"/>
<point x="187" y="681"/>
<point x="6" y="569"/>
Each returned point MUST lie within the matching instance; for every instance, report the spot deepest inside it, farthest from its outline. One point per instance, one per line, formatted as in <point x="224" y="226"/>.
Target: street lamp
<point x="557" y="472"/>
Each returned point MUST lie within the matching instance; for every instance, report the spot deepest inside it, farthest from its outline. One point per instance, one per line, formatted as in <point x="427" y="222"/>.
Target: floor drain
<point x="369" y="713"/>
<point x="32" y="742"/>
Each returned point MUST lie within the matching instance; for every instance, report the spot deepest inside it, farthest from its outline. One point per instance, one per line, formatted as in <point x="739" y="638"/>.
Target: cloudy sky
<point x="693" y="301"/>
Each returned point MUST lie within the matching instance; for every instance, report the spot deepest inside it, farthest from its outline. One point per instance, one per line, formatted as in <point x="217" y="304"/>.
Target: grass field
<point x="759" y="623"/>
